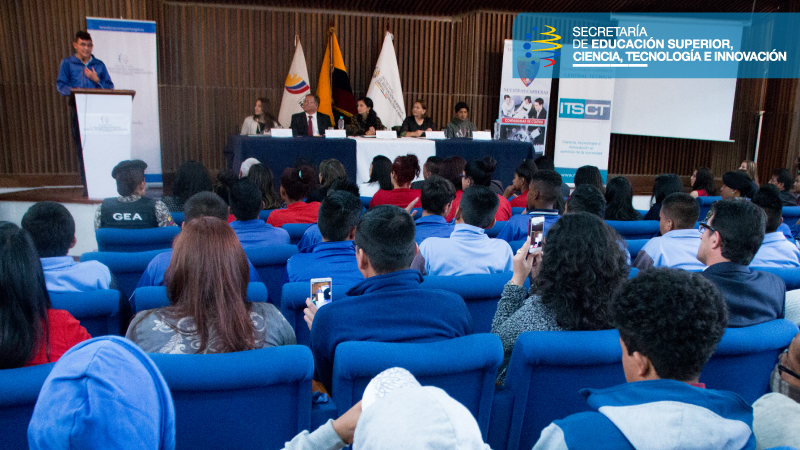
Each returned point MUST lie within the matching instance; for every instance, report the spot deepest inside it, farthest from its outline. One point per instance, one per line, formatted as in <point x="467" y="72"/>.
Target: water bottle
<point x="341" y="123"/>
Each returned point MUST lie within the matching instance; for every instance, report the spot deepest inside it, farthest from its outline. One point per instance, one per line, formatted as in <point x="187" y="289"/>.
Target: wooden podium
<point x="104" y="119"/>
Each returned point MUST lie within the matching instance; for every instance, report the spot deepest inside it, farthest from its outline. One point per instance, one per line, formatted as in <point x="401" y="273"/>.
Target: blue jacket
<point x="70" y="75"/>
<point x="516" y="228"/>
<point x="311" y="236"/>
<point x="752" y="296"/>
<point x="257" y="233"/>
<point x="154" y="273"/>
<point x="776" y="251"/>
<point x="433" y="226"/>
<point x="336" y="260"/>
<point x="386" y="308"/>
<point x="656" y="414"/>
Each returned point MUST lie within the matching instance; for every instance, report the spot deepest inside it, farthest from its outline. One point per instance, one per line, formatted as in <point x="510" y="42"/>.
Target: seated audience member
<point x="295" y="184"/>
<point x="522" y="179"/>
<point x="749" y="167"/>
<point x="776" y="415"/>
<point x="782" y="179"/>
<point x="589" y="175"/>
<point x="796" y="186"/>
<point x="202" y="204"/>
<point x="335" y="256"/>
<point x="703" y="183"/>
<point x="245" y="205"/>
<point x="775" y="250"/>
<point x="52" y="229"/>
<point x="545" y="162"/>
<point x="244" y="169"/>
<point x="677" y="246"/>
<point x="436" y="197"/>
<point x="418" y="122"/>
<point x="131" y="210"/>
<point x="312" y="235"/>
<point x="366" y="122"/>
<point x="404" y="170"/>
<point x="380" y="176"/>
<point x="737" y="185"/>
<point x="574" y="275"/>
<point x="452" y="170"/>
<point x="261" y="122"/>
<point x="389" y="306"/>
<point x="479" y="173"/>
<point x="104" y="393"/>
<point x="468" y="250"/>
<point x="192" y="177"/>
<point x="543" y="193"/>
<point x="330" y="170"/>
<point x="310" y="122"/>
<point x="431" y="167"/>
<point x="459" y="125"/>
<point x="664" y="185"/>
<point x="31" y="331"/>
<point x="261" y="175"/>
<point x="669" y="323"/>
<point x="586" y="198"/>
<point x="222" y="186"/>
<point x="619" y="200"/>
<point x="207" y="289"/>
<point x="728" y="242"/>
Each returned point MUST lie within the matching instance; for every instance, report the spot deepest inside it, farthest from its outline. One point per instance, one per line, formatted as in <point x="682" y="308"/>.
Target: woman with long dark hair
<point x="261" y="122"/>
<point x="665" y="184"/>
<point x="404" y="170"/>
<point x="366" y="121"/>
<point x="574" y="275"/>
<point x="619" y="200"/>
<point x="589" y="175"/>
<point x="380" y="176"/>
<point x="330" y="170"/>
<point x="31" y="332"/>
<point x="703" y="183"/>
<point x="192" y="177"/>
<point x="261" y="175"/>
<point x="206" y="284"/>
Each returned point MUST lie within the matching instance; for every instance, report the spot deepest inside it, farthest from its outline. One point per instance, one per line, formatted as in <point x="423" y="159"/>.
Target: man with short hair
<point x="52" y="228"/>
<point x="335" y="256"/>
<point x="546" y="162"/>
<point x="310" y="122"/>
<point x="670" y="322"/>
<point x="312" y="235"/>
<point x="543" y="193"/>
<point x="782" y="179"/>
<point x="431" y="167"/>
<point x="586" y="198"/>
<point x="678" y="243"/>
<point x="728" y="242"/>
<point x="245" y="205"/>
<point x="468" y="250"/>
<point x="460" y="126"/>
<point x="436" y="198"/>
<point x="131" y="210"/>
<point x="776" y="415"/>
<point x="776" y="250"/>
<point x="389" y="305"/>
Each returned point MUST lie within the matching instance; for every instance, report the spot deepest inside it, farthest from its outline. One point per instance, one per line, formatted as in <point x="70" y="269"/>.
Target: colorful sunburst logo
<point x="296" y="85"/>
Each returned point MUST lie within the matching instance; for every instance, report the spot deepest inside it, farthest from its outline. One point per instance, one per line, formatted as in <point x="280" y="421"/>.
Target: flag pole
<point x="330" y="64"/>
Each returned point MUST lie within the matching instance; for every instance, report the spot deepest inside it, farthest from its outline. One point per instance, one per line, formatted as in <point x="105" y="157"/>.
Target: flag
<point x="384" y="88"/>
<point x="295" y="88"/>
<point x="340" y="96"/>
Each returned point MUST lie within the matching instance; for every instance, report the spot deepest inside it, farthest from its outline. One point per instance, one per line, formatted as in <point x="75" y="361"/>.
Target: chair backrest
<point x="464" y="367"/>
<point x="270" y="262"/>
<point x="635" y="246"/>
<point x="746" y="356"/>
<point x="635" y="229"/>
<point x="126" y="267"/>
<point x="293" y="301"/>
<point x="515" y="245"/>
<point x="546" y="372"/>
<point x="365" y="201"/>
<point x="705" y="205"/>
<point x="789" y="275"/>
<point x="517" y="210"/>
<point x="254" y="399"/>
<point x="481" y="293"/>
<point x="177" y="217"/>
<point x="19" y="389"/>
<point x="152" y="297"/>
<point x="791" y="214"/>
<point x="496" y="229"/>
<point x="264" y="214"/>
<point x="98" y="311"/>
<point x="295" y="231"/>
<point x="119" y="240"/>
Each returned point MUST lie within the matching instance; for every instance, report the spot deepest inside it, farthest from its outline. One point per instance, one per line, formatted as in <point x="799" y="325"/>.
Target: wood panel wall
<point x="215" y="60"/>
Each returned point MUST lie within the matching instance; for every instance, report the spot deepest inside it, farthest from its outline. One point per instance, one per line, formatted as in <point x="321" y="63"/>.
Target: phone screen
<point x="321" y="291"/>
<point x="536" y="232"/>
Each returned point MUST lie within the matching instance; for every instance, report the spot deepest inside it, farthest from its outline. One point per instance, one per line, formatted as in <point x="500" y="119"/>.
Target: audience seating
<point x="643" y="212"/>
<point x="257" y="399"/>
<point x="98" y="311"/>
<point x="293" y="301"/>
<point x="546" y="372"/>
<point x="365" y="201"/>
<point x="496" y="229"/>
<point x="789" y="275"/>
<point x="127" y="268"/>
<point x="177" y="217"/>
<point x="465" y="367"/>
<point x="152" y="297"/>
<point x="270" y="262"/>
<point x="295" y="231"/>
<point x="705" y="205"/>
<point x="515" y="245"/>
<point x="264" y="214"/>
<point x="635" y="229"/>
<point x="746" y="356"/>
<point x="791" y="214"/>
<point x="635" y="246"/>
<point x="119" y="240"/>
<point x="418" y="212"/>
<point x="19" y="389"/>
<point x="480" y="292"/>
<point x="517" y="210"/>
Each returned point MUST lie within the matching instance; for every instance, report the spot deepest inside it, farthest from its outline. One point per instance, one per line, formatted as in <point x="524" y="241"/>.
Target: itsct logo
<point x="537" y="52"/>
<point x="579" y="108"/>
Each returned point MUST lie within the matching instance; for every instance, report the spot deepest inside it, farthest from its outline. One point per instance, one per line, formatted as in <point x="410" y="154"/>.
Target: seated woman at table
<point x="261" y="121"/>
<point x="418" y="123"/>
<point x="479" y="172"/>
<point x="366" y="122"/>
<point x="404" y="170"/>
<point x="295" y="185"/>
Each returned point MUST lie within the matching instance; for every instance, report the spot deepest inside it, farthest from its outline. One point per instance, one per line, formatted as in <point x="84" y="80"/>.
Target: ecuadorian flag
<point x="334" y="89"/>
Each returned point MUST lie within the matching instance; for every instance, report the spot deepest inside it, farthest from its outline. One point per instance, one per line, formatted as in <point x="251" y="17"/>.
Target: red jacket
<point x="299" y="212"/>
<point x="64" y="332"/>
<point x="399" y="197"/>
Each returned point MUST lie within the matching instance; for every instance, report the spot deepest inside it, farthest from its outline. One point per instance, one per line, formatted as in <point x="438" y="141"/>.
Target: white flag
<point x="295" y="88"/>
<point x="384" y="88"/>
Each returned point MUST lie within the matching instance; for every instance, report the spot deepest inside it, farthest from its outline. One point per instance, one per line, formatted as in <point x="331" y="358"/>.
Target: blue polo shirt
<point x="516" y="228"/>
<point x="63" y="274"/>
<point x="677" y="249"/>
<point x="433" y="226"/>
<point x="257" y="233"/>
<point x="468" y="251"/>
<point x="336" y="260"/>
<point x="776" y="251"/>
<point x="154" y="274"/>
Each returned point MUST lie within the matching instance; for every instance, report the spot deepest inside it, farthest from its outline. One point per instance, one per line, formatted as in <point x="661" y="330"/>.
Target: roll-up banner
<point x="128" y="49"/>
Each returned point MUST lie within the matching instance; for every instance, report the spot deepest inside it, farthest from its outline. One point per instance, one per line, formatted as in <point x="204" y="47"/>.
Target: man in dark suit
<point x="538" y="112"/>
<point x="319" y="122"/>
<point x="729" y="241"/>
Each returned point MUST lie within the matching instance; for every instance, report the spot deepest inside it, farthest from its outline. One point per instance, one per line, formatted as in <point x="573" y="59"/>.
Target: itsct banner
<point x="524" y="99"/>
<point x="128" y="49"/>
<point x="584" y="122"/>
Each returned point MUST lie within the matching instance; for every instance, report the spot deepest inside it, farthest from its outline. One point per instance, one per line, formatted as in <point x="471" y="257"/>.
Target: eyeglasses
<point x="705" y="226"/>
<point x="784" y="369"/>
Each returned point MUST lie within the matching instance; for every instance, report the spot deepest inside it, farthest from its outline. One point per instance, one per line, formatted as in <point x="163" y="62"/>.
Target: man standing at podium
<point x="81" y="70"/>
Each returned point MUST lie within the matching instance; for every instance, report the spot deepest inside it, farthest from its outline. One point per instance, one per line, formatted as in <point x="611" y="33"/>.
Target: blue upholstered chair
<point x="264" y="214"/>
<point x="791" y="214"/>
<point x="119" y="240"/>
<point x="270" y="262"/>
<point x="19" y="389"/>
<point x="293" y="301"/>
<point x="789" y="275"/>
<point x="177" y="217"/>
<point x="98" y="311"/>
<point x="465" y="367"/>
<point x="635" y="229"/>
<point x="295" y="231"/>
<point x="546" y="371"/>
<point x="152" y="297"/>
<point x="643" y="212"/>
<point x="515" y="245"/>
<point x="257" y="399"/>
<point x="496" y="229"/>
<point x="705" y="205"/>
<point x="480" y="292"/>
<point x="517" y="210"/>
<point x="365" y="201"/>
<point x="126" y="267"/>
<point x="746" y="356"/>
<point x="635" y="246"/>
